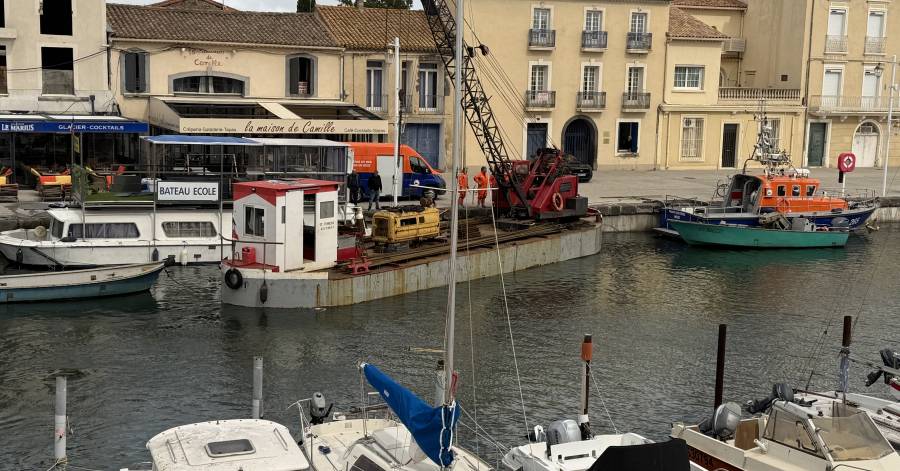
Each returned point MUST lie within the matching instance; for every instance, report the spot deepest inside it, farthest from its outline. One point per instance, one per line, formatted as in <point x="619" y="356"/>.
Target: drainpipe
<point x="805" y="99"/>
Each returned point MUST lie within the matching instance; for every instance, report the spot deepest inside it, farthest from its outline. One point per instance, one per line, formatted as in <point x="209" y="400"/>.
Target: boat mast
<point x="454" y="205"/>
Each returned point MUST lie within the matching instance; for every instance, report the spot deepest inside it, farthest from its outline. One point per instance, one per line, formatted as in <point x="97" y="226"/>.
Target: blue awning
<point x="64" y="124"/>
<point x="179" y="139"/>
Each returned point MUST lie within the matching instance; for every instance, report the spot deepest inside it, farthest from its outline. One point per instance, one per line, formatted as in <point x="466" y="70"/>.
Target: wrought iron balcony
<point x="639" y="42"/>
<point x="824" y="104"/>
<point x="875" y="45"/>
<point x="594" y="39"/>
<point x="835" y="44"/>
<point x="540" y="99"/>
<point x="541" y="38"/>
<point x="635" y="101"/>
<point x="590" y="101"/>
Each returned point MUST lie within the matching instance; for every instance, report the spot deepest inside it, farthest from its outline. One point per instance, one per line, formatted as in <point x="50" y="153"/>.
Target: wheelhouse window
<point x="134" y="64"/>
<point x="189" y="229"/>
<point x="689" y="77"/>
<point x="56" y="228"/>
<point x="795" y="190"/>
<point x="692" y="139"/>
<point x="56" y="17"/>
<point x="300" y="76"/>
<point x="208" y="85"/>
<point x="57" y="71"/>
<point x="255" y="221"/>
<point x="810" y="190"/>
<point x="781" y="190"/>
<point x="112" y="230"/>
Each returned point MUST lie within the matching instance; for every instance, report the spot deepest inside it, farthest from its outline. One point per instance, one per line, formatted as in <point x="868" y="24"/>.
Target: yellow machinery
<point x="403" y="225"/>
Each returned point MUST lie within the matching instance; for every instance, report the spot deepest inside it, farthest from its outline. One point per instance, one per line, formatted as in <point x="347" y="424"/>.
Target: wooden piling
<point x="720" y="366"/>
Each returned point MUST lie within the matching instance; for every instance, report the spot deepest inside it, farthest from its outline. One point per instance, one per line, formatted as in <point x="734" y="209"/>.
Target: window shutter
<point x="294" y="76"/>
<point x="141" y="76"/>
<point x="130" y="66"/>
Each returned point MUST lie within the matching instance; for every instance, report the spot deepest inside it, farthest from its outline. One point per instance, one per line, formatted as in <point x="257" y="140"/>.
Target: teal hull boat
<point x="732" y="235"/>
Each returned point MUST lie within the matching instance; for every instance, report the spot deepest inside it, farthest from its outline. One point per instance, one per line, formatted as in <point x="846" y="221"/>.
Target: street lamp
<point x="890" y="120"/>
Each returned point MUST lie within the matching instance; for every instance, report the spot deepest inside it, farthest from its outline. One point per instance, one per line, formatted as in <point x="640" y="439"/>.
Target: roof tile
<point x="685" y="26"/>
<point x="729" y="4"/>
<point x="371" y="29"/>
<point x="240" y="27"/>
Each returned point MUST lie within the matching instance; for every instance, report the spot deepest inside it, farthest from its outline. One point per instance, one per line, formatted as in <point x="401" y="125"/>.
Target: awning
<point x="65" y="124"/>
<point x="266" y="141"/>
<point x="218" y="115"/>
<point x="177" y="139"/>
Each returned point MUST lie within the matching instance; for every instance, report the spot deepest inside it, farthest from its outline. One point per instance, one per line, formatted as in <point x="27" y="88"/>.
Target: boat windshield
<point x="56" y="228"/>
<point x="852" y="438"/>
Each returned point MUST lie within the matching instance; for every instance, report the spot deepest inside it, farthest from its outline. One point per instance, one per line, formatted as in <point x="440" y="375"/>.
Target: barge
<point x="284" y="257"/>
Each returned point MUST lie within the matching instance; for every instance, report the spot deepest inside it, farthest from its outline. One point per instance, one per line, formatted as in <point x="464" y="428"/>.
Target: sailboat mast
<point x="454" y="203"/>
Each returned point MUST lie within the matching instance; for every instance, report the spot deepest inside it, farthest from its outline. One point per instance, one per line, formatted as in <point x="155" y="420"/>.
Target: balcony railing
<point x="376" y="102"/>
<point x="588" y="101"/>
<point x="835" y="44"/>
<point x="639" y="42"/>
<point x="540" y="98"/>
<point x="741" y="94"/>
<point x="851" y="104"/>
<point x="541" y="38"/>
<point x="58" y="82"/>
<point x="734" y="46"/>
<point x="431" y="104"/>
<point x="875" y="45"/>
<point x="594" y="39"/>
<point x="636" y="101"/>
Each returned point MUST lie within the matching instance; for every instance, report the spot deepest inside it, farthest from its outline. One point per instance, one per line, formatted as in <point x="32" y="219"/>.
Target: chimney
<point x="360" y="4"/>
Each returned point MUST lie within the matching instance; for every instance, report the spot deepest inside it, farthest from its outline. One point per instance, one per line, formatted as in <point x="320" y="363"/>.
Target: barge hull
<point x="331" y="288"/>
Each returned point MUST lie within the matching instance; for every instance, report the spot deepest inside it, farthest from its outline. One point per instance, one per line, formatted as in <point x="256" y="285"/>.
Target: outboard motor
<point x="318" y="410"/>
<point x="780" y="392"/>
<point x="562" y="431"/>
<point x="890" y="359"/>
<point x="723" y="423"/>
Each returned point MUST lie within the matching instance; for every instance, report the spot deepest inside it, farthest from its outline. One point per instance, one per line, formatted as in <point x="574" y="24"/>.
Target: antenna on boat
<point x="587" y="352"/>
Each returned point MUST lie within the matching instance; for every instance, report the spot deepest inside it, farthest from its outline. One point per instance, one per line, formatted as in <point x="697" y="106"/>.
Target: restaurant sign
<point x="115" y="127"/>
<point x="187" y="191"/>
<point x="281" y="126"/>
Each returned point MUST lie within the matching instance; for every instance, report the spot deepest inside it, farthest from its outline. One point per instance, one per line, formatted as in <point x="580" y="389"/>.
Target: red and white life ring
<point x="557" y="201"/>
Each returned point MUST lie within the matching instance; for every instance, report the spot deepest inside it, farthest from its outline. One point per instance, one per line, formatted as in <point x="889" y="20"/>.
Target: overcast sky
<point x="260" y="5"/>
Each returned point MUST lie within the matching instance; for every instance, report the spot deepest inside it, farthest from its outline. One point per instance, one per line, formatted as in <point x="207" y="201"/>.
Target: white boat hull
<point x="88" y="254"/>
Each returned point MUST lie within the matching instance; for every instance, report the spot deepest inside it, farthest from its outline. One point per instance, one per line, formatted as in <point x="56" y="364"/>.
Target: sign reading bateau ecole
<point x="187" y="191"/>
<point x="281" y="126"/>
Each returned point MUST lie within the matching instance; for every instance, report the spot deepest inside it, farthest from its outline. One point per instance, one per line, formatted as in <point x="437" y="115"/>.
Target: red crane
<point x="538" y="188"/>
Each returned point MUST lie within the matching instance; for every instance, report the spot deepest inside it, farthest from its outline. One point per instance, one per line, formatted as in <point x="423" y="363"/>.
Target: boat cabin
<point x="285" y="225"/>
<point x="793" y="192"/>
<point x="227" y="445"/>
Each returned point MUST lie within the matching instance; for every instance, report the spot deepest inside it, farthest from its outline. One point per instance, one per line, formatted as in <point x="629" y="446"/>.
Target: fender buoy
<point x="263" y="292"/>
<point x="233" y="278"/>
<point x="557" y="201"/>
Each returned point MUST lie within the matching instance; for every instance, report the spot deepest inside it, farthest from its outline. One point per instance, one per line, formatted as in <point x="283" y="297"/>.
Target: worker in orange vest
<point x="482" y="181"/>
<point x="463" y="183"/>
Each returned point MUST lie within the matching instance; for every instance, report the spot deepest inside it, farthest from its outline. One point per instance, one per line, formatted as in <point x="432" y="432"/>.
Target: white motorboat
<point x="789" y="437"/>
<point x="115" y="236"/>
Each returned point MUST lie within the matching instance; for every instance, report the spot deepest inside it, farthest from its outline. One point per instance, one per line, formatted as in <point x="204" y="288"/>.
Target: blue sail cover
<point x="431" y="427"/>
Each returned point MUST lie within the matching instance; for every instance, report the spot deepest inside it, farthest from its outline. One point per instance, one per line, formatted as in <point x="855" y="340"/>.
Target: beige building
<point x="850" y="75"/>
<point x="368" y="74"/>
<point x="585" y="76"/>
<point x="215" y="71"/>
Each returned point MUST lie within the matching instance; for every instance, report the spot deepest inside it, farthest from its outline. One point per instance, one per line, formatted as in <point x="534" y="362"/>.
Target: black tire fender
<point x="233" y="278"/>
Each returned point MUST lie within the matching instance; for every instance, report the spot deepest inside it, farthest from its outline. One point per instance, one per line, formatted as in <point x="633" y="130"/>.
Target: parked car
<point x="418" y="174"/>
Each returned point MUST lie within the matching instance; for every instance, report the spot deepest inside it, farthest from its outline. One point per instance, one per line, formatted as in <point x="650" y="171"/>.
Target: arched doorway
<point x="580" y="140"/>
<point x="865" y="144"/>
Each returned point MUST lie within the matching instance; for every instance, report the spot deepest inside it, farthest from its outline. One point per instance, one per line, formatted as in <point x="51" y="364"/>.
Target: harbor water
<point x="138" y="365"/>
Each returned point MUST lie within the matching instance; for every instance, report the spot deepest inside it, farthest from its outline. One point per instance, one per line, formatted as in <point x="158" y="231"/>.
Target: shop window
<point x="113" y="230"/>
<point x="628" y="137"/>
<point x="208" y="85"/>
<point x="56" y="17"/>
<point x="3" y="88"/>
<point x="57" y="70"/>
<point x="255" y="221"/>
<point x="189" y="229"/>
<point x="301" y="76"/>
<point x="134" y="64"/>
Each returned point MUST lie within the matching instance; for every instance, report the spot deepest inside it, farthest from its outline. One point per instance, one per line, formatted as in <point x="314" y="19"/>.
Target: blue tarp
<point x="431" y="427"/>
<point x="178" y="139"/>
